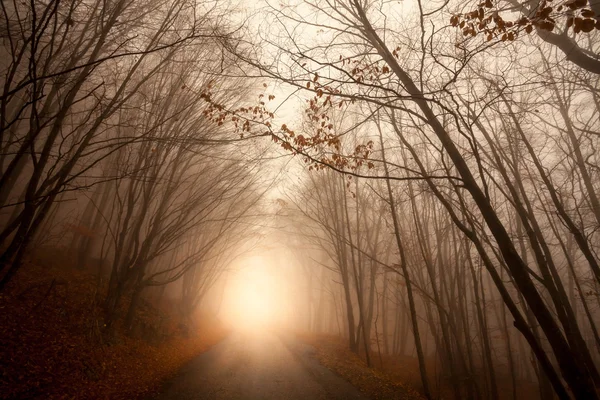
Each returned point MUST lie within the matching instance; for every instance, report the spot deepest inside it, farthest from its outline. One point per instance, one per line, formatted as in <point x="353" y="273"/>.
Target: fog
<point x="416" y="182"/>
<point x="256" y="295"/>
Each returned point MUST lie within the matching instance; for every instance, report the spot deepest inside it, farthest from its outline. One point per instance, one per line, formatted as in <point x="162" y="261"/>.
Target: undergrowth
<point x="52" y="347"/>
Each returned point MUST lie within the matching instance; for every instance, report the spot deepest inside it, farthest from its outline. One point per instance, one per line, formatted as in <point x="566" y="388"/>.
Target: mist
<point x="325" y="199"/>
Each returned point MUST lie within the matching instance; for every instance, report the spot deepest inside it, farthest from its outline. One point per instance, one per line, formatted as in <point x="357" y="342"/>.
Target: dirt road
<point x="258" y="366"/>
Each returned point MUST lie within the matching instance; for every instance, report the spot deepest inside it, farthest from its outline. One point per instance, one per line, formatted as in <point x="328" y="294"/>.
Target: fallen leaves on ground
<point x="335" y="355"/>
<point x="50" y="349"/>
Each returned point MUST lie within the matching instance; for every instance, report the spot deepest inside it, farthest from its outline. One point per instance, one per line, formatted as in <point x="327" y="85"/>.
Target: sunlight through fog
<point x="253" y="296"/>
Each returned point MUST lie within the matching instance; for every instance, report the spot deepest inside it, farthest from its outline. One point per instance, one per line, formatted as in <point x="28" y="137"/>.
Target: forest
<point x="411" y="185"/>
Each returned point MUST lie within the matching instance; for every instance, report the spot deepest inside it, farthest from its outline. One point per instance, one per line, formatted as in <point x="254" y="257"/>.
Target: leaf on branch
<point x="587" y="25"/>
<point x="587" y="13"/>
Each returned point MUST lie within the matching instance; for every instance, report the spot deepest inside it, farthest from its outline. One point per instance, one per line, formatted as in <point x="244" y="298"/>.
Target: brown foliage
<point x="335" y="355"/>
<point x="394" y="376"/>
<point x="50" y="347"/>
<point x="254" y="121"/>
<point x="486" y="20"/>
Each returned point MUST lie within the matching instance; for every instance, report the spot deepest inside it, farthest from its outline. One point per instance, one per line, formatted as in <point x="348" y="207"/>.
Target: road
<point x="258" y="366"/>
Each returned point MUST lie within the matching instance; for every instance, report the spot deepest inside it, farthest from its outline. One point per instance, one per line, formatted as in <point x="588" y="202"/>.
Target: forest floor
<point x="51" y="343"/>
<point x="374" y="383"/>
<point x="395" y="377"/>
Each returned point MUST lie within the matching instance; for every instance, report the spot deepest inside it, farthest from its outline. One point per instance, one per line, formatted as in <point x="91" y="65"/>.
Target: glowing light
<point x="252" y="298"/>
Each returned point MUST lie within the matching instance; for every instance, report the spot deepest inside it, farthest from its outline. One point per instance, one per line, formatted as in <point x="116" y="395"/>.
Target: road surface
<point x="258" y="366"/>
